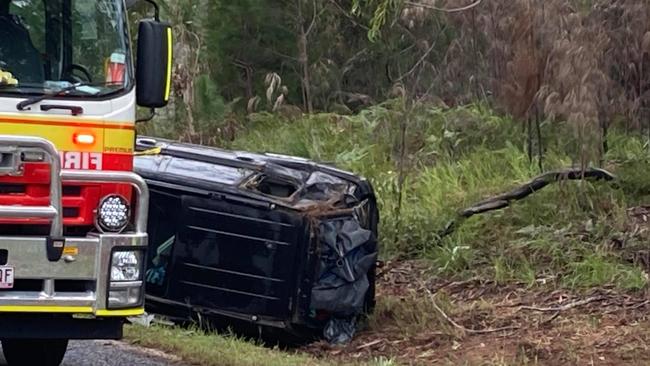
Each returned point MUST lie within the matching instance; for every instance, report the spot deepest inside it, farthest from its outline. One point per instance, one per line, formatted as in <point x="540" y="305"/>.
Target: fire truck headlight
<point x="126" y="266"/>
<point x="113" y="214"/>
<point x="126" y="281"/>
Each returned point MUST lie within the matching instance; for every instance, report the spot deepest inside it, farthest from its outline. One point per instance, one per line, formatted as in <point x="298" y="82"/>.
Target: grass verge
<point x="199" y="348"/>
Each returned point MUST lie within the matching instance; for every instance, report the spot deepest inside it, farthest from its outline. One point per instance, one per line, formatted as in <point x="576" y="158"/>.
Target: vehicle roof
<point x="192" y="167"/>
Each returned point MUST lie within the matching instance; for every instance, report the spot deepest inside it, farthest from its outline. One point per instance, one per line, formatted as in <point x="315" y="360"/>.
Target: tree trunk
<point x="303" y="60"/>
<point x="540" y="144"/>
<point x="529" y="131"/>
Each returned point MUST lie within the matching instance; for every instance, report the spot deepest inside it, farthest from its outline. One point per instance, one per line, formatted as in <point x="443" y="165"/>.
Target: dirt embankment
<point x="484" y="323"/>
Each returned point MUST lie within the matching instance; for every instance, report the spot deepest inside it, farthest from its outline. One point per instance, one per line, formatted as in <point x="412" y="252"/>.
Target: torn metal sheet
<point x="258" y="239"/>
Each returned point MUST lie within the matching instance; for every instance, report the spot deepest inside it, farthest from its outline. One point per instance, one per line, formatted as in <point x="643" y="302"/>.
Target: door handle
<point x="75" y="110"/>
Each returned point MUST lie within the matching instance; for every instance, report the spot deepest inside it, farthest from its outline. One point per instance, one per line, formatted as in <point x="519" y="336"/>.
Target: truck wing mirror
<point x="154" y="64"/>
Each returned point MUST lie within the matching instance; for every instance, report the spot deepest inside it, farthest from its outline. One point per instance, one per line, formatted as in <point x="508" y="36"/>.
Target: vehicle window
<point x="50" y="45"/>
<point x="31" y="15"/>
<point x="104" y="56"/>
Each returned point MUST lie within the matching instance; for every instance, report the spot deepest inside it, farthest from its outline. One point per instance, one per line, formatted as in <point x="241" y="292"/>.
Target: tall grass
<point x="456" y="157"/>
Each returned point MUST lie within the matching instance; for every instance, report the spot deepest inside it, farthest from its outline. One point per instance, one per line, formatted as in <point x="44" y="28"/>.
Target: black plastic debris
<point x="340" y="330"/>
<point x="348" y="253"/>
<point x="274" y="244"/>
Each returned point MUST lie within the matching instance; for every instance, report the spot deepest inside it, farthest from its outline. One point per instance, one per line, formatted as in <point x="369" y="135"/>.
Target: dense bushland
<point x="476" y="102"/>
<point x="545" y="63"/>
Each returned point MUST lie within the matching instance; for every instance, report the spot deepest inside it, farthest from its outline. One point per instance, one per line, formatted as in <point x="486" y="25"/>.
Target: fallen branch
<point x="565" y="307"/>
<point x="553" y="317"/>
<point x="458" y="326"/>
<point x="628" y="308"/>
<point x="536" y="184"/>
<point x="370" y="344"/>
<point x="454" y="10"/>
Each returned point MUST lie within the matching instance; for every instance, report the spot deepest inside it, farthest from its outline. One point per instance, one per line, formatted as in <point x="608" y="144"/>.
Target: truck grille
<point x="71" y="191"/>
<point x="8" y="188"/>
<point x="69" y="212"/>
<point x="73" y="286"/>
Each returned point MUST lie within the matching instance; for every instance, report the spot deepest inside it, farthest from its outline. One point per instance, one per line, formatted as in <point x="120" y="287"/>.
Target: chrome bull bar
<point x="54" y="211"/>
<point x="92" y="263"/>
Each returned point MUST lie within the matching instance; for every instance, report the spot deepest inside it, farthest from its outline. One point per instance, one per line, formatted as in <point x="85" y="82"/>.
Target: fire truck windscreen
<point x="49" y="45"/>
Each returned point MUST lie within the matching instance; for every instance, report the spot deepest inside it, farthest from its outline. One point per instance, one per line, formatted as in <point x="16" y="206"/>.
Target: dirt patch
<point x="634" y="243"/>
<point x="420" y="321"/>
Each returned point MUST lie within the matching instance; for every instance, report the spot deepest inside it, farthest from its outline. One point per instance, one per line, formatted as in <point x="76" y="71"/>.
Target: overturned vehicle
<point x="273" y="243"/>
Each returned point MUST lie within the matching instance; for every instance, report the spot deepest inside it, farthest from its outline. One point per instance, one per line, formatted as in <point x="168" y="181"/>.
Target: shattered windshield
<point x="48" y="45"/>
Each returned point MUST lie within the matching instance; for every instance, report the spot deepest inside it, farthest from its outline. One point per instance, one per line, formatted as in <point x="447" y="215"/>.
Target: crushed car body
<point x="266" y="240"/>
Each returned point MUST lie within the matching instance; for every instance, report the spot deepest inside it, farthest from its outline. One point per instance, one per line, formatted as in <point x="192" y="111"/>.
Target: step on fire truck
<point x="73" y="215"/>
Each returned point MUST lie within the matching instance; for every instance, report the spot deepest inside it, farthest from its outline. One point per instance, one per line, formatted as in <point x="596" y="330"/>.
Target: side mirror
<point x="154" y="64"/>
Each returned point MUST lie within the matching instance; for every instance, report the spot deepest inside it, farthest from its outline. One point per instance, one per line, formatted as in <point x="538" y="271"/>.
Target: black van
<point x="271" y="241"/>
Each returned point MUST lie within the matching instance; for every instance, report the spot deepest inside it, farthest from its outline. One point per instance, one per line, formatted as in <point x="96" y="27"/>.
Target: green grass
<point x="456" y="157"/>
<point x="597" y="269"/>
<point x="200" y="348"/>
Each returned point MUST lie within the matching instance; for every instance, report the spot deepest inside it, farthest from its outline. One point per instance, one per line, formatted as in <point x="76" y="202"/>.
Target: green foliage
<point x="526" y="60"/>
<point x="454" y="158"/>
<point x="381" y="11"/>
<point x="597" y="270"/>
<point x="249" y="33"/>
<point x="209" y="103"/>
<point x="210" y="110"/>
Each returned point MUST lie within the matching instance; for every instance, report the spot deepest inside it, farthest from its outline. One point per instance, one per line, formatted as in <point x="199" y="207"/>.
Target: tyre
<point x="28" y="352"/>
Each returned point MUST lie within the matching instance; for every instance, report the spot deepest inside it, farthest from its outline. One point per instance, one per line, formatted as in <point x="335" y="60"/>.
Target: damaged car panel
<point x="271" y="240"/>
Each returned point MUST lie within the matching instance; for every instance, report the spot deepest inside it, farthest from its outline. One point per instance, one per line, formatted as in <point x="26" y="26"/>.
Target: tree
<point x="246" y="40"/>
<point x="380" y="12"/>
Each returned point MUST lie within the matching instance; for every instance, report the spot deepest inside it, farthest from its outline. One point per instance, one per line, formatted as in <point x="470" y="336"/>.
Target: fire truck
<point x="73" y="215"/>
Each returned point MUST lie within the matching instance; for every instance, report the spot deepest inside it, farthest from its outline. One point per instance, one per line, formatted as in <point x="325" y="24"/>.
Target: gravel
<point x="112" y="353"/>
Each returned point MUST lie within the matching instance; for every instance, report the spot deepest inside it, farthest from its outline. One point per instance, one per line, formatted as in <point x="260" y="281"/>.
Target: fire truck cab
<point x="73" y="215"/>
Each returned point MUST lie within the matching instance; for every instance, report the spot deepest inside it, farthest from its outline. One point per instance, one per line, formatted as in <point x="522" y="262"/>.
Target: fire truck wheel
<point x="20" y="352"/>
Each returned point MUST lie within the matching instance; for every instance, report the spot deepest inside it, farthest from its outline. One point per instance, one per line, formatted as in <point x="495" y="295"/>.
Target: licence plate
<point x="6" y="277"/>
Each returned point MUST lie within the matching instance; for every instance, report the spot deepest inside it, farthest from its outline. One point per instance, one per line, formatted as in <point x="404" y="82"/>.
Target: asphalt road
<point x="111" y="353"/>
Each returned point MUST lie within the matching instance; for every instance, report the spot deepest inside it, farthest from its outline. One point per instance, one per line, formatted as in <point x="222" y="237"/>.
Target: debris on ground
<point x="600" y="323"/>
<point x="542" y="324"/>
